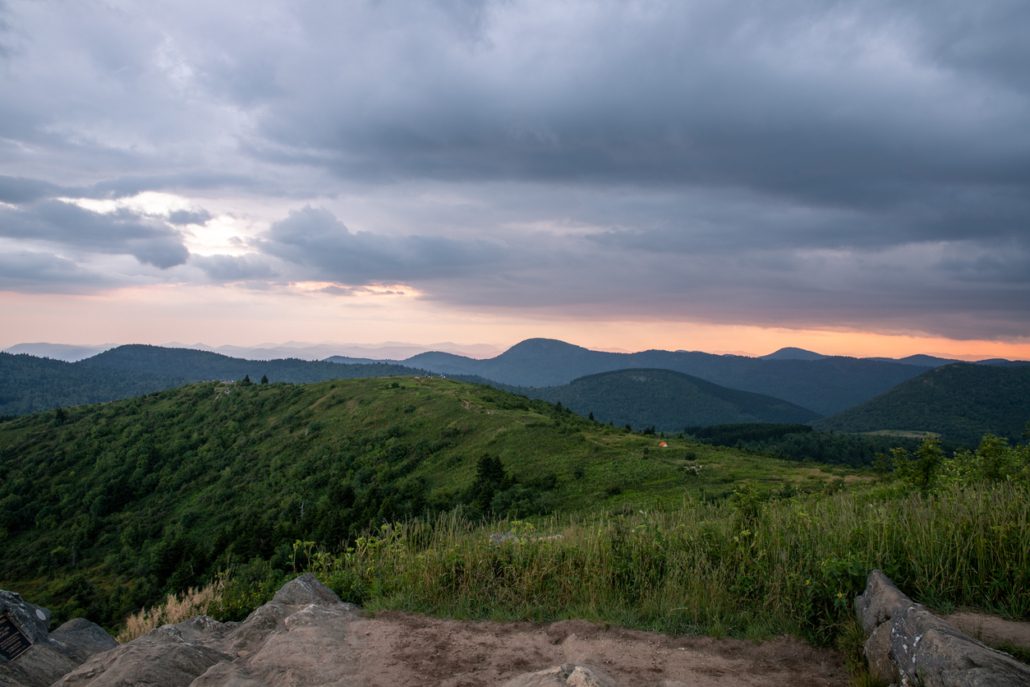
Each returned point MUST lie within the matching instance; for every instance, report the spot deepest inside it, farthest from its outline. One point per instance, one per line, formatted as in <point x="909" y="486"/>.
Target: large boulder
<point x="49" y="655"/>
<point x="908" y="644"/>
<point x="295" y="639"/>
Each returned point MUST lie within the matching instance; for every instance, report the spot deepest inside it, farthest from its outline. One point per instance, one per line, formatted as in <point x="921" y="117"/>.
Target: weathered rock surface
<point x="295" y="639"/>
<point x="908" y="644"/>
<point x="51" y="654"/>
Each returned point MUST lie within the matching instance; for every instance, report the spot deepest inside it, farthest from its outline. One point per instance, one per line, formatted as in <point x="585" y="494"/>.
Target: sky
<point x="730" y="176"/>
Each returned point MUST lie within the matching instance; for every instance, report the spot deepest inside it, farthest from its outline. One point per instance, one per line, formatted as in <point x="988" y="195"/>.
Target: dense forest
<point x="666" y="400"/>
<point x="802" y="442"/>
<point x="959" y="402"/>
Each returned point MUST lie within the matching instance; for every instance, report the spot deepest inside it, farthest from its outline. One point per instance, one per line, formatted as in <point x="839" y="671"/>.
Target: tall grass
<point x="744" y="568"/>
<point x="174" y="609"/>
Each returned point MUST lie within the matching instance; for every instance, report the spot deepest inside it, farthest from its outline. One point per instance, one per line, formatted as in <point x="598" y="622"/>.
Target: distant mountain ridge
<point x="390" y="350"/>
<point x="29" y="384"/>
<point x="792" y="353"/>
<point x="666" y="400"/>
<point x="961" y="402"/>
<point x="824" y="386"/>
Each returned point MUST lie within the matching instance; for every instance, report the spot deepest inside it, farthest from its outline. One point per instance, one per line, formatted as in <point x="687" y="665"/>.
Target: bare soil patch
<point x="402" y="649"/>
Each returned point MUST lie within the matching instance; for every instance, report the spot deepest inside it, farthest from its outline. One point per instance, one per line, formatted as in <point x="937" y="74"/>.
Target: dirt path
<point x="400" y="649"/>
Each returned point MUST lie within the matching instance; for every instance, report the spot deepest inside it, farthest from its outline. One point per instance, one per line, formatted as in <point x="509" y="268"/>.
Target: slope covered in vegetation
<point x="959" y="402"/>
<point x="668" y="401"/>
<point x="103" y="508"/>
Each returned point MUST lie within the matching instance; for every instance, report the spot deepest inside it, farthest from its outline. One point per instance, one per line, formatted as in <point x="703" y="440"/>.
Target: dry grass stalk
<point x="175" y="609"/>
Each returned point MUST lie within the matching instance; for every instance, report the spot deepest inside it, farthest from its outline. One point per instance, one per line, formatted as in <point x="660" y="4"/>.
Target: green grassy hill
<point x="668" y="401"/>
<point x="960" y="402"/>
<point x="103" y="508"/>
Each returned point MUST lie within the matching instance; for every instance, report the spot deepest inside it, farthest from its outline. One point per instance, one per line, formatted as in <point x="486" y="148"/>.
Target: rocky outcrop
<point x="295" y="639"/>
<point x="909" y="645"/>
<point x="50" y="655"/>
<point x="303" y="636"/>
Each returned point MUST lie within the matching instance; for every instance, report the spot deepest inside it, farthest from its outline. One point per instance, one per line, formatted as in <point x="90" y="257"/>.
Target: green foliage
<point x="749" y="567"/>
<point x="152" y="495"/>
<point x="959" y="402"/>
<point x="994" y="460"/>
<point x="663" y="400"/>
<point x="801" y="442"/>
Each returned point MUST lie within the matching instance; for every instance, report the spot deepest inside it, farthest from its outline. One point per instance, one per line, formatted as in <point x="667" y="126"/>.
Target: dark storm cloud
<point x="801" y="162"/>
<point x="830" y="103"/>
<point x="118" y="232"/>
<point x="315" y="239"/>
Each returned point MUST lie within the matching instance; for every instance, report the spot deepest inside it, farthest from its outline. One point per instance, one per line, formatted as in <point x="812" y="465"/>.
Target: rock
<point x="877" y="653"/>
<point x="878" y="601"/>
<point x="308" y="647"/>
<point x="567" y="675"/>
<point x="909" y="644"/>
<point x="163" y="657"/>
<point x="305" y="589"/>
<point x="295" y="639"/>
<point x="51" y="655"/>
<point x="931" y="652"/>
<point x="81" y="639"/>
<point x="32" y="620"/>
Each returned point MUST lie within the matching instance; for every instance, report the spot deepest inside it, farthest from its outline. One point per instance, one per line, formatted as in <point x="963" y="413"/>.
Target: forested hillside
<point x="103" y="508"/>
<point x="667" y="401"/>
<point x="960" y="402"/>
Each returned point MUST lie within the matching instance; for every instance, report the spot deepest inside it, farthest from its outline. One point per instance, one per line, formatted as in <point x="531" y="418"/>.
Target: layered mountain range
<point x="667" y="390"/>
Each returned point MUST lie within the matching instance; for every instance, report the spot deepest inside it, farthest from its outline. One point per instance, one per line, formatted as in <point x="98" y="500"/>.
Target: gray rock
<point x="81" y="639"/>
<point x="295" y="639"/>
<point x="910" y="645"/>
<point x="308" y="647"/>
<point x="878" y="601"/>
<point x="305" y="589"/>
<point x="32" y="620"/>
<point x="37" y="667"/>
<point x="51" y="655"/>
<point x="877" y="653"/>
<point x="930" y="652"/>
<point x="163" y="657"/>
<point x="567" y="675"/>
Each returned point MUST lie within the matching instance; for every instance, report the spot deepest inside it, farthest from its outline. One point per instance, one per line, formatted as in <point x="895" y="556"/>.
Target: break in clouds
<point x="793" y="163"/>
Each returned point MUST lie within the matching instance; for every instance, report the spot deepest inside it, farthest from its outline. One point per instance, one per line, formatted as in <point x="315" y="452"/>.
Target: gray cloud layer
<point x="122" y="231"/>
<point x="318" y="242"/>
<point x="800" y="163"/>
